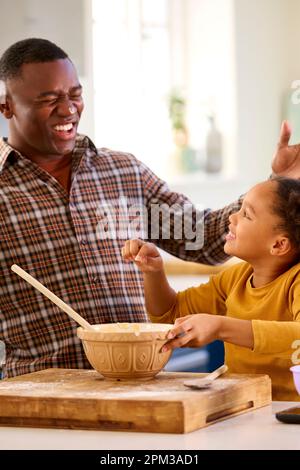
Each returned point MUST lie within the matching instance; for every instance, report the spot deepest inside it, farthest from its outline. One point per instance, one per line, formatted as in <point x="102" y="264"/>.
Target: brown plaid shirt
<point x="55" y="237"/>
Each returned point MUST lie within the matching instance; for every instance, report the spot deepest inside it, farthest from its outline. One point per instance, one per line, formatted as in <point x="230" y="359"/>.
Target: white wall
<point x="210" y="74"/>
<point x="267" y="37"/>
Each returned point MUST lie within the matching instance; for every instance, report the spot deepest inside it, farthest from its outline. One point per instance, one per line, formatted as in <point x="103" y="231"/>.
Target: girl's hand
<point x="193" y="331"/>
<point x="145" y="255"/>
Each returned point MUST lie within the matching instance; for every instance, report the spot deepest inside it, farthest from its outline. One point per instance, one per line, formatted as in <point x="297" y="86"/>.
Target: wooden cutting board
<point x="82" y="399"/>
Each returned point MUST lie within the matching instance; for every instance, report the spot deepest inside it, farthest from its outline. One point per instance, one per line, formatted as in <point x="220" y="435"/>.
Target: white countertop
<point x="257" y="429"/>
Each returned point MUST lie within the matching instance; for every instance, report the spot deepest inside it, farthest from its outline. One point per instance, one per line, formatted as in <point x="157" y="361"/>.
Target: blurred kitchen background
<point x="196" y="89"/>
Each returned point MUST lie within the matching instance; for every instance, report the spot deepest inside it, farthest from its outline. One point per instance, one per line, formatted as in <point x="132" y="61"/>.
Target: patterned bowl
<point x="126" y="350"/>
<point x="296" y="375"/>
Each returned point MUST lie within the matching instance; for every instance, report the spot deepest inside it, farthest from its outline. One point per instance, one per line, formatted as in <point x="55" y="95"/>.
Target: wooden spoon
<point x="56" y="300"/>
<point x="206" y="381"/>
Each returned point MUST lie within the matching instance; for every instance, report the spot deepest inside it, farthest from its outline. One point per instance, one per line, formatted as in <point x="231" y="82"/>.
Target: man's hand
<point x="286" y="160"/>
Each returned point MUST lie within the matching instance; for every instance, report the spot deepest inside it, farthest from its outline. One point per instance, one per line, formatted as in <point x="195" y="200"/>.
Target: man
<point x="56" y="190"/>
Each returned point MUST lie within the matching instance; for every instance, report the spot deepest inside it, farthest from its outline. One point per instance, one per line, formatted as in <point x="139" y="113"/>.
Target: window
<point x="146" y="49"/>
<point x="132" y="78"/>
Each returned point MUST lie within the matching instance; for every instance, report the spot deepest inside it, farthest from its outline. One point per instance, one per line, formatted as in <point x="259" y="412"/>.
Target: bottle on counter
<point x="214" y="148"/>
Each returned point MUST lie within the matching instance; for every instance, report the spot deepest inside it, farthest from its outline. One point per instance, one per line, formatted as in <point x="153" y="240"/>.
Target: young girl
<point x="254" y="306"/>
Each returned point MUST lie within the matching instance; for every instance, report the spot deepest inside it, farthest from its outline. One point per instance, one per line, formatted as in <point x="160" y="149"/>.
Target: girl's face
<point x="252" y="230"/>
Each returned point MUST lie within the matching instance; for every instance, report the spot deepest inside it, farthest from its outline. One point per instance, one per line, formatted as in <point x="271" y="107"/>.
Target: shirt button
<point x="83" y="241"/>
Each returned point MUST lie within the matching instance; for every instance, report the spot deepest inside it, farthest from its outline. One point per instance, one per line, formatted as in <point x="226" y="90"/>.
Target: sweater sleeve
<point x="206" y="298"/>
<point x="271" y="337"/>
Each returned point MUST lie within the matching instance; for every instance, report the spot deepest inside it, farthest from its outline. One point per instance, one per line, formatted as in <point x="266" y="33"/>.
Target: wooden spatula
<point x="51" y="296"/>
<point x="206" y="381"/>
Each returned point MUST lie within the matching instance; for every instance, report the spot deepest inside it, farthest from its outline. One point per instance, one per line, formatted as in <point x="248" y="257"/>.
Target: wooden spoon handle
<point x="56" y="300"/>
<point x="216" y="373"/>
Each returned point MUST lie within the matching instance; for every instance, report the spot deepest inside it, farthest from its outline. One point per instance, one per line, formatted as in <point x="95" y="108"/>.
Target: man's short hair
<point x="26" y="52"/>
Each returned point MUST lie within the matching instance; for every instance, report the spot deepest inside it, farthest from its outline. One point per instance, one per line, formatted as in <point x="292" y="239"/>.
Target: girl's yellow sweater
<point x="275" y="313"/>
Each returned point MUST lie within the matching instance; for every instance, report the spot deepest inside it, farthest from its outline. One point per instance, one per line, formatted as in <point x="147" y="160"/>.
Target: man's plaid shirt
<point x="56" y="237"/>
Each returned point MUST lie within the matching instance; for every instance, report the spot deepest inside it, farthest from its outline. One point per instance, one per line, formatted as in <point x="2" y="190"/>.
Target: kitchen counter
<point x="175" y="266"/>
<point x="258" y="429"/>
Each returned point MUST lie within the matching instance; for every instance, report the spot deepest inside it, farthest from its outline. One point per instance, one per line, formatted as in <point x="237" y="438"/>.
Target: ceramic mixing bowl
<point x="126" y="350"/>
<point x="296" y="375"/>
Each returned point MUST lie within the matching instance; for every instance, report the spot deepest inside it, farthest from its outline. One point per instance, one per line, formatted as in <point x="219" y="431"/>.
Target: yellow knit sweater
<point x="275" y="313"/>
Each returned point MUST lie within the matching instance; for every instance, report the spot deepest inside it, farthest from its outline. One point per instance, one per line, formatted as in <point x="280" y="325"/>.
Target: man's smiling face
<point x="45" y="103"/>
